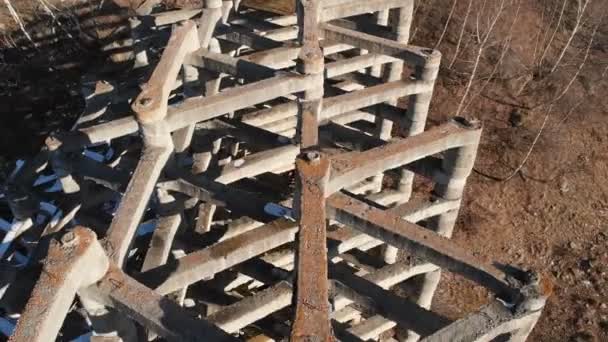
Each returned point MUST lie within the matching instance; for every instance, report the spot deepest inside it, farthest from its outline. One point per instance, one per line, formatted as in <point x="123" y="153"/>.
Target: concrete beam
<point x="74" y="262"/>
<point x="420" y="242"/>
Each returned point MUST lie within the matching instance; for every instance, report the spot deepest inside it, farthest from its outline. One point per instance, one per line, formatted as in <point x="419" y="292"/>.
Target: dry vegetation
<point x="535" y="72"/>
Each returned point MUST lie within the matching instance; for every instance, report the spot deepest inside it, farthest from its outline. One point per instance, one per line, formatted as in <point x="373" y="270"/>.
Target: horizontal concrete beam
<point x="209" y="261"/>
<point x="372" y="297"/>
<point x="222" y="63"/>
<point x="367" y="97"/>
<point x="198" y="109"/>
<point x="333" y="9"/>
<point x="234" y="317"/>
<point x="152" y="310"/>
<point x="420" y="242"/>
<point x="408" y="53"/>
<point x="349" y="168"/>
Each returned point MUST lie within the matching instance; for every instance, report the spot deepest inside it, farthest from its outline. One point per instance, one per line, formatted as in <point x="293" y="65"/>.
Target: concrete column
<point x="450" y="181"/>
<point x="310" y="62"/>
<point x="212" y="13"/>
<point x="414" y="123"/>
<point x="61" y="166"/>
<point x="202" y="161"/>
<point x="381" y="19"/>
<point x="141" y="55"/>
<point x="400" y="24"/>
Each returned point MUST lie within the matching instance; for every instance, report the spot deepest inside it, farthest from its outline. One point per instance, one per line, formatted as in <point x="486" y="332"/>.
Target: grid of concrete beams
<point x="257" y="185"/>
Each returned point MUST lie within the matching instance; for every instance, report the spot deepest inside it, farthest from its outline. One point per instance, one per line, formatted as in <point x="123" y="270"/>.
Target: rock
<point x="564" y="186"/>
<point x="586" y="264"/>
<point x="516" y="118"/>
<point x="189" y="303"/>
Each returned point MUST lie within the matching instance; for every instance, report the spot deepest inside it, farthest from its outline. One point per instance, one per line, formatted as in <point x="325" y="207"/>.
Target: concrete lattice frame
<point x="264" y="94"/>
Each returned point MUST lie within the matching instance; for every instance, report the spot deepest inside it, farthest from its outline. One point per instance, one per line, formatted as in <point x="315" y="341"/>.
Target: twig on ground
<point x="579" y="16"/>
<point x="421" y="17"/>
<point x="478" y="57"/>
<point x="544" y="29"/>
<point x="580" y="67"/>
<point x="17" y="19"/>
<point x="479" y="12"/>
<point x="447" y="23"/>
<point x="548" y="45"/>
<point x="47" y="8"/>
<point x="540" y="132"/>
<point x="505" y="48"/>
<point x="464" y="24"/>
<point x="568" y="114"/>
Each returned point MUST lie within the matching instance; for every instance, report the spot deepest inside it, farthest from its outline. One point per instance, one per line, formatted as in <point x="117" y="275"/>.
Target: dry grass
<point x="17" y="18"/>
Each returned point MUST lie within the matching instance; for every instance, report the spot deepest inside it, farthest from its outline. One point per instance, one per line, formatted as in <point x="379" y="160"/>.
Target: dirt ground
<point x="551" y="215"/>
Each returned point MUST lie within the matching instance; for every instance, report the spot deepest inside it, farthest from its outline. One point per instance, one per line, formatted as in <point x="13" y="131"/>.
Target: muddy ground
<point x="549" y="214"/>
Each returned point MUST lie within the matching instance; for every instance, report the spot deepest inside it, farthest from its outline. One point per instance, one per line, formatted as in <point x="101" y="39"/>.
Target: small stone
<point x="516" y="118"/>
<point x="189" y="303"/>
<point x="564" y="186"/>
<point x="586" y="264"/>
<point x="573" y="245"/>
<point x="312" y="156"/>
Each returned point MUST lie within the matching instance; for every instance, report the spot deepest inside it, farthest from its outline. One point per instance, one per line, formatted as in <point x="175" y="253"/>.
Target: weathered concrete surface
<point x="220" y="77"/>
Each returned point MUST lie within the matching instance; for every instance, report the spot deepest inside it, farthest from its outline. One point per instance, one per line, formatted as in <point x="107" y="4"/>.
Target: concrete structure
<point x="238" y="99"/>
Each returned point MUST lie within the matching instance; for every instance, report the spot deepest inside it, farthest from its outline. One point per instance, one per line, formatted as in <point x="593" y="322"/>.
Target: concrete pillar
<point x="310" y="62"/>
<point x="400" y="24"/>
<point x="141" y="55"/>
<point x="456" y="166"/>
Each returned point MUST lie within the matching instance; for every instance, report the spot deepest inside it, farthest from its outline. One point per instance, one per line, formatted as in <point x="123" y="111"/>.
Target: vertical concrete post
<point x="400" y="20"/>
<point x="60" y="166"/>
<point x="311" y="322"/>
<point x="310" y="62"/>
<point x="212" y="13"/>
<point x="211" y="84"/>
<point x="163" y="236"/>
<point x="226" y="8"/>
<point x="141" y="55"/>
<point x="381" y="19"/>
<point x="150" y="108"/>
<point x="417" y="112"/>
<point x="456" y="166"/>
